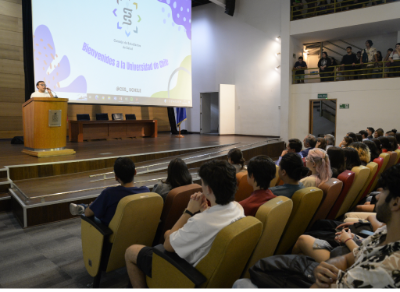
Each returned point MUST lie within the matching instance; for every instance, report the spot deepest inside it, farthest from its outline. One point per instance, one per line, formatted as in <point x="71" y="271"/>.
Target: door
<point x="323" y="117"/>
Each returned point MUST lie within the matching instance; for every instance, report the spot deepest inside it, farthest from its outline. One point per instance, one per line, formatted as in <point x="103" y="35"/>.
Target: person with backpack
<point x="368" y="55"/>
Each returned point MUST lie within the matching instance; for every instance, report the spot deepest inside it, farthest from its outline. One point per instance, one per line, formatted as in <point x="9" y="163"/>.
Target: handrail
<point x="351" y="45"/>
<point x="334" y="6"/>
<point x="380" y="69"/>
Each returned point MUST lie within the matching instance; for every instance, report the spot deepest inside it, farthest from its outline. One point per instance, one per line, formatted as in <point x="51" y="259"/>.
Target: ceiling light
<point x="278" y="38"/>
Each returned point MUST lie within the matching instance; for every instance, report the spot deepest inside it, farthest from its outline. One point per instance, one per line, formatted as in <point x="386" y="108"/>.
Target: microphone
<point x="54" y="92"/>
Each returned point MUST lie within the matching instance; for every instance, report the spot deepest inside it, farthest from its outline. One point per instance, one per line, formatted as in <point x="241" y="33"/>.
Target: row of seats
<point x="274" y="230"/>
<point x="104" y="117"/>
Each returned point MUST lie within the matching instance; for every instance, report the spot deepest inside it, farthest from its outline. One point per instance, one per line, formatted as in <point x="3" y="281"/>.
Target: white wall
<point x="239" y="50"/>
<point x="373" y="103"/>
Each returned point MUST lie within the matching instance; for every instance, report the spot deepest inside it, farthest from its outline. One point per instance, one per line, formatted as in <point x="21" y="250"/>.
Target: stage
<point x="39" y="190"/>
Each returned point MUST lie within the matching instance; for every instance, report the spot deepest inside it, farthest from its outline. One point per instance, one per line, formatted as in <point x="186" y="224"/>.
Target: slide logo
<point x="126" y="22"/>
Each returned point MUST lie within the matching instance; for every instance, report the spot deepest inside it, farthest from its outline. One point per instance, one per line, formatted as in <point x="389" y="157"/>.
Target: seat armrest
<point x="183" y="266"/>
<point x="103" y="229"/>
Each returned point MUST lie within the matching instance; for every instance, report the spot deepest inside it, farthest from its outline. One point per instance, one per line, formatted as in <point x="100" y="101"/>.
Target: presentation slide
<point x="132" y="52"/>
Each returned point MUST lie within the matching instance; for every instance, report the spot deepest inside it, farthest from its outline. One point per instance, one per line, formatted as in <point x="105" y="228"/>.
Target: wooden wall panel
<point x="16" y="95"/>
<point x="10" y="23"/>
<point x="11" y="38"/>
<point x="10" y="8"/>
<point x="12" y="81"/>
<point x="11" y="52"/>
<point x="11" y="67"/>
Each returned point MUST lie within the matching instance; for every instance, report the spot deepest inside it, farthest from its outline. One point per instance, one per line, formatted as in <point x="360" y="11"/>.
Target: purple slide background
<point x="44" y="54"/>
<point x="181" y="13"/>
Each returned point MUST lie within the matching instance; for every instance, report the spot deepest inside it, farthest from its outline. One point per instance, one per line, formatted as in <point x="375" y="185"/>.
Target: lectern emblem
<point x="54" y="118"/>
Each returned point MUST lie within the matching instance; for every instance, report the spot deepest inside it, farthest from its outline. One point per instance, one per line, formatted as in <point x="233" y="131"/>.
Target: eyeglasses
<point x="42" y="84"/>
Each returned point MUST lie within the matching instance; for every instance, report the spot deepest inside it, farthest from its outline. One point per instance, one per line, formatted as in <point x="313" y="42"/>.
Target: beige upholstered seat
<point x="373" y="167"/>
<point x="244" y="190"/>
<point x="274" y="216"/>
<point x="305" y="203"/>
<point x="220" y="268"/>
<point x="135" y="222"/>
<point x="361" y="176"/>
<point x="275" y="180"/>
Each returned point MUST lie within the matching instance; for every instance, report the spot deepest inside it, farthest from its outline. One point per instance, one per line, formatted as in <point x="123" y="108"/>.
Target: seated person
<point x="235" y="157"/>
<point x="260" y="171"/>
<point x="320" y="250"/>
<point x="372" y="149"/>
<point x="346" y="142"/>
<point x="337" y="160"/>
<point x="363" y="152"/>
<point x="393" y="143"/>
<point x="364" y="135"/>
<point x="318" y="163"/>
<point x="193" y="234"/>
<point x="330" y="140"/>
<point x="290" y="171"/>
<point x="352" y="136"/>
<point x="376" y="263"/>
<point x="321" y="143"/>
<point x="309" y="143"/>
<point x="385" y="144"/>
<point x="105" y="205"/>
<point x="178" y="175"/>
<point x="352" y="158"/>
<point x="294" y="146"/>
<point x="378" y="133"/>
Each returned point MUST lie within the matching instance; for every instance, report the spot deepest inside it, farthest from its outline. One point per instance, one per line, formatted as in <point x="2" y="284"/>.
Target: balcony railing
<point x="384" y="69"/>
<point x="316" y="8"/>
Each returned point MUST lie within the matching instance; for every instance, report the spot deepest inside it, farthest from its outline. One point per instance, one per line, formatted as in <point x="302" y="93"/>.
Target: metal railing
<point x="313" y="9"/>
<point x="385" y="69"/>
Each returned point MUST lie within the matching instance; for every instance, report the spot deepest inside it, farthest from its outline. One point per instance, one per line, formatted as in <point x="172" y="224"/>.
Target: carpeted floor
<point x="47" y="256"/>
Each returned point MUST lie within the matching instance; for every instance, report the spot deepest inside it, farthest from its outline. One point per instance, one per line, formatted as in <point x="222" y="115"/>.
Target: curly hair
<point x="363" y="151"/>
<point x="322" y="165"/>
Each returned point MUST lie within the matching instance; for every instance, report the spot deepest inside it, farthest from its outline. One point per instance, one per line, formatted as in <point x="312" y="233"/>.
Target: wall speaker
<point x="230" y="7"/>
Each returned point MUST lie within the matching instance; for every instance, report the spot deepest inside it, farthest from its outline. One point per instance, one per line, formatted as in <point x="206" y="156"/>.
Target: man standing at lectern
<point x="41" y="86"/>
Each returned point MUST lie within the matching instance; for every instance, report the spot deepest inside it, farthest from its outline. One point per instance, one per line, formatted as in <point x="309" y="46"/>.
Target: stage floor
<point x="11" y="155"/>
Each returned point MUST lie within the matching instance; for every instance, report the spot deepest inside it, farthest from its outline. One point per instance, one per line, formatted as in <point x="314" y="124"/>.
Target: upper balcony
<point x="335" y="22"/>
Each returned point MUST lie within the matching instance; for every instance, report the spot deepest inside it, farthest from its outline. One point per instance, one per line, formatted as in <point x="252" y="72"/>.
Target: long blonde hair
<point x="322" y="165"/>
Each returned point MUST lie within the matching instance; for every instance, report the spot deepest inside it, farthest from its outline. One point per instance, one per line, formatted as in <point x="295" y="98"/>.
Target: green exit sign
<point x="344" y="106"/>
<point x="323" y="95"/>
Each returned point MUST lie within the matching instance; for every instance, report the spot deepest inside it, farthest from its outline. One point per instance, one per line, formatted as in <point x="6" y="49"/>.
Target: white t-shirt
<point x="39" y="94"/>
<point x="193" y="241"/>
<point x="394" y="55"/>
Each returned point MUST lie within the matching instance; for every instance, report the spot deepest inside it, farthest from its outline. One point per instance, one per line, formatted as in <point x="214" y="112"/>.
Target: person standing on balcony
<point x="310" y="8"/>
<point x="299" y="74"/>
<point x="386" y="61"/>
<point x="394" y="59"/>
<point x="323" y="65"/>
<point x="368" y="55"/>
<point x="348" y="63"/>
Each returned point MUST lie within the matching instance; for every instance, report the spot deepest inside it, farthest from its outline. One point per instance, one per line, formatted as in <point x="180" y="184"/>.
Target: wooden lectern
<point x="45" y="127"/>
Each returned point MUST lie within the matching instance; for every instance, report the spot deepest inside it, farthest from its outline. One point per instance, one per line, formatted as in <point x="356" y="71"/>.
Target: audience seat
<point x="398" y="155"/>
<point x="331" y="189"/>
<point x="305" y="203"/>
<point x="369" y="188"/>
<point x="347" y="177"/>
<point x="274" y="216"/>
<point x="373" y="167"/>
<point x="135" y="222"/>
<point x="175" y="203"/>
<point x="392" y="159"/>
<point x="117" y="117"/>
<point x="275" y="180"/>
<point x="101" y="117"/>
<point x="244" y="190"/>
<point x="220" y="268"/>
<point x="130" y="117"/>
<point x="304" y="161"/>
<point x="82" y="117"/>
<point x="360" y="179"/>
<point x="385" y="158"/>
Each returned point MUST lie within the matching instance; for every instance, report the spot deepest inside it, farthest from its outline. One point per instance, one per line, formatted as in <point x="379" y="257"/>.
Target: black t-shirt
<point x="348" y="60"/>
<point x="301" y="64"/>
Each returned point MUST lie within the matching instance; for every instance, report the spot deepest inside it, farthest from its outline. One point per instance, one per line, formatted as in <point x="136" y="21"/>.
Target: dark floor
<point x="47" y="256"/>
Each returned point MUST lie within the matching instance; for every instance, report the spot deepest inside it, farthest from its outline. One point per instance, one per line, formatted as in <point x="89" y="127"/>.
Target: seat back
<point x="398" y="155"/>
<point x="82" y="117"/>
<point x="305" y="203"/>
<point x="244" y="190"/>
<point x="331" y="189"/>
<point x="385" y="157"/>
<point x="130" y="117"/>
<point x="373" y="167"/>
<point x="135" y="222"/>
<point x="175" y="203"/>
<point x="274" y="216"/>
<point x="117" y="117"/>
<point x="229" y="253"/>
<point x="379" y="162"/>
<point x="275" y="180"/>
<point x="360" y="179"/>
<point x="347" y="177"/>
<point x="392" y="159"/>
<point x="101" y="117"/>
